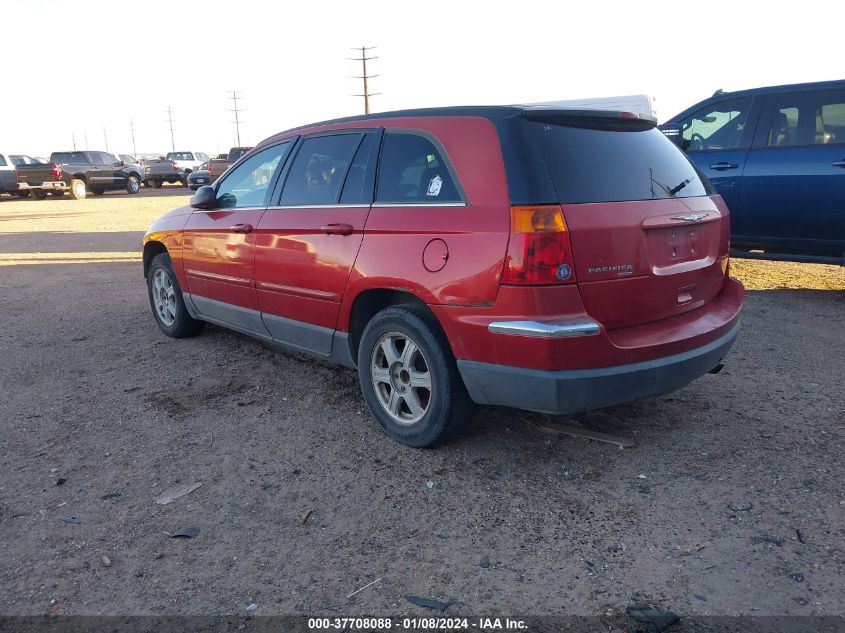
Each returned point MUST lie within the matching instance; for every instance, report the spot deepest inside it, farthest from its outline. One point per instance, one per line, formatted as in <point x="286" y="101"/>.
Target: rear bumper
<point x="50" y="185"/>
<point x="569" y="391"/>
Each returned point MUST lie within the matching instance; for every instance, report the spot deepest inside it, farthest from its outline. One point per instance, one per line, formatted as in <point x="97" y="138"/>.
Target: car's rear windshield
<point x="603" y="159"/>
<point x="68" y="157"/>
<point x="180" y="156"/>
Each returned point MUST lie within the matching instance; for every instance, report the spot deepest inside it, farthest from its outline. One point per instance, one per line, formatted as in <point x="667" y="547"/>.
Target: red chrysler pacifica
<point x="533" y="257"/>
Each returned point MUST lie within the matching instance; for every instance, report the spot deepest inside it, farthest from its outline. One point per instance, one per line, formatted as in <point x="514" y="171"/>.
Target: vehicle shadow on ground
<point x="5" y="217"/>
<point x="70" y="242"/>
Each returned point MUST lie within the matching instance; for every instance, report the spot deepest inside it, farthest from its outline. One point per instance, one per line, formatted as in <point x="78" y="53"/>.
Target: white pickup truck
<point x="187" y="162"/>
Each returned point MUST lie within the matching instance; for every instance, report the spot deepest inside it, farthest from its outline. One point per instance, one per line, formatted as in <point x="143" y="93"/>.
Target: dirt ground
<point x="731" y="501"/>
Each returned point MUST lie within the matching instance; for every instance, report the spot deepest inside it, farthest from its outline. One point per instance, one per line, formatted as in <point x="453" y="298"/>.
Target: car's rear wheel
<point x="38" y="194"/>
<point x="78" y="189"/>
<point x="157" y="184"/>
<point x="133" y="185"/>
<point x="166" y="300"/>
<point x="57" y="194"/>
<point x="409" y="377"/>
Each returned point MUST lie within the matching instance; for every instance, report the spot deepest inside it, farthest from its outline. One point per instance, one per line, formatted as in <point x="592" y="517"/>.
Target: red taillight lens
<point x="57" y="172"/>
<point x="175" y="166"/>
<point x="539" y="251"/>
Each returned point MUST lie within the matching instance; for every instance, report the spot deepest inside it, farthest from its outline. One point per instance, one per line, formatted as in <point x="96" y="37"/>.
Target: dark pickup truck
<point x="78" y="173"/>
<point x="158" y="172"/>
<point x="214" y="168"/>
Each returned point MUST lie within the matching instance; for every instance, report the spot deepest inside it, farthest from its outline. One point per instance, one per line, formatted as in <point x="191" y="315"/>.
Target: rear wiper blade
<point x="679" y="186"/>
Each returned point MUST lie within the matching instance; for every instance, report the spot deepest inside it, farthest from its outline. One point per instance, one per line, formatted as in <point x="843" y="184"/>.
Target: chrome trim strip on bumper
<point x="547" y="329"/>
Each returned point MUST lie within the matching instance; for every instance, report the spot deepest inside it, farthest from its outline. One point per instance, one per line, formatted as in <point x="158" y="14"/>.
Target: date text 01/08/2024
<point x="417" y="624"/>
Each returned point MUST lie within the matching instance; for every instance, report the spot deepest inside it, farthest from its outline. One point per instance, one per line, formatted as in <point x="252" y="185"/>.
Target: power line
<point x="170" y="119"/>
<point x="236" y="110"/>
<point x="132" y="131"/>
<point x="364" y="59"/>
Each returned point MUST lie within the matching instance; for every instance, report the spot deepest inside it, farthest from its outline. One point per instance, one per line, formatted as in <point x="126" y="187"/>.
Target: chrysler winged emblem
<point x="694" y="217"/>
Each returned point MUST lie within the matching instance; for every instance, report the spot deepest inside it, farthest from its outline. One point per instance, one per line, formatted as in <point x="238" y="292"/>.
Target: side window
<point x="96" y="158"/>
<point x="109" y="159"/>
<point x="808" y="119"/>
<point x="411" y="169"/>
<point x="718" y="126"/>
<point x="318" y="170"/>
<point x="355" y="189"/>
<point x="3" y="161"/>
<point x="247" y="185"/>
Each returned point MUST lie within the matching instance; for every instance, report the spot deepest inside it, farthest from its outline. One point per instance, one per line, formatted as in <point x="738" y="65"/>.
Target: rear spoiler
<point x="577" y="113"/>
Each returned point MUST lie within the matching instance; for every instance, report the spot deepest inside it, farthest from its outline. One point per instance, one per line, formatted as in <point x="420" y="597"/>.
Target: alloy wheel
<point x="164" y="297"/>
<point x="401" y="378"/>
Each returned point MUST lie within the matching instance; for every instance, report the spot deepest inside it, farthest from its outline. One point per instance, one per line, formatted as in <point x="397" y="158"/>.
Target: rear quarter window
<point x="598" y="159"/>
<point x="412" y="170"/>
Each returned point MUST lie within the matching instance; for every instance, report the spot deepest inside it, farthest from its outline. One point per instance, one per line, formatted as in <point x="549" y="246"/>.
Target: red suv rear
<point x="536" y="258"/>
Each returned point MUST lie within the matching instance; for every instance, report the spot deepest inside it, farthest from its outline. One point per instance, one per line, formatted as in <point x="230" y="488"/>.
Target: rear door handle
<point x="337" y="229"/>
<point x="839" y="163"/>
<point x="723" y="166"/>
<point x="241" y="228"/>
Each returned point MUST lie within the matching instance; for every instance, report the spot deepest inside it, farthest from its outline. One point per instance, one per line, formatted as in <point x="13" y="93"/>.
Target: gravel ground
<point x="730" y="502"/>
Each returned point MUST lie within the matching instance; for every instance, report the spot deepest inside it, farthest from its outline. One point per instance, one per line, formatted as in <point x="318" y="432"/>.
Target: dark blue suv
<point x="777" y="157"/>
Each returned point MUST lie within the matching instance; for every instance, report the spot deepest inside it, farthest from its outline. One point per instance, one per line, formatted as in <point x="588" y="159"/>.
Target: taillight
<point x="57" y="171"/>
<point x="539" y="251"/>
<point x="175" y="166"/>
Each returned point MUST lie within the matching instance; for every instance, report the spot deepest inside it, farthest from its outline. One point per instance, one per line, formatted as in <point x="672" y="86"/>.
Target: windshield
<point x="597" y="159"/>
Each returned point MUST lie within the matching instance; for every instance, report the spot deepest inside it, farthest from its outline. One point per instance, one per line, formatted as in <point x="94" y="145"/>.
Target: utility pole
<point x="85" y="138"/>
<point x="236" y="110"/>
<point x="132" y="131"/>
<point x="105" y="138"/>
<point x="170" y="119"/>
<point x="364" y="59"/>
<point x="73" y="136"/>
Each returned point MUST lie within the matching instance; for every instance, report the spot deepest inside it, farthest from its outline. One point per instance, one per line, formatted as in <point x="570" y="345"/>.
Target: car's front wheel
<point x="166" y="300"/>
<point x="409" y="377"/>
<point x="133" y="185"/>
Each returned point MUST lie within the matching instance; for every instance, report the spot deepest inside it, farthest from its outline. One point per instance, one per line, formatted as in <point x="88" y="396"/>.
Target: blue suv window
<point x="718" y="126"/>
<point x="808" y="119"/>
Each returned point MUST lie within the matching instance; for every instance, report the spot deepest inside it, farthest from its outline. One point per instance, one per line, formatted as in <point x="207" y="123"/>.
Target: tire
<point x="156" y="184"/>
<point x="185" y="178"/>
<point x="23" y="194"/>
<point x="78" y="189"/>
<point x="133" y="184"/>
<point x="166" y="300"/>
<point x="38" y="194"/>
<point x="57" y="194"/>
<point x="417" y="416"/>
<point x="147" y="183"/>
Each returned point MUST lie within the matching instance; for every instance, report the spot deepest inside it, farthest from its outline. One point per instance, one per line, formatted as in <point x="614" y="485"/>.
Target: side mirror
<point x="673" y="132"/>
<point x="204" y="198"/>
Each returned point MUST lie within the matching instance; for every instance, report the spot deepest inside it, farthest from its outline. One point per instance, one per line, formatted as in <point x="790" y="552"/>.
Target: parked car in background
<point x="199" y="178"/>
<point x="78" y="173"/>
<point x="214" y="168"/>
<point x="502" y="255"/>
<point x="23" y="159"/>
<point x="8" y="175"/>
<point x="777" y="157"/>
<point x="187" y="162"/>
<point x="163" y="170"/>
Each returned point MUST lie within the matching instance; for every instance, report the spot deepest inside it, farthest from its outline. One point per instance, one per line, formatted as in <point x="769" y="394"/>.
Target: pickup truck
<point x="158" y="172"/>
<point x="187" y="162"/>
<point x="8" y="175"/>
<point x="78" y="173"/>
<point x="777" y="157"/>
<point x="214" y="168"/>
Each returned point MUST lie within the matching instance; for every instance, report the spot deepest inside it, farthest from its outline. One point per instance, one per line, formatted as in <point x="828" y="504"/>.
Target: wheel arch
<point x="151" y="249"/>
<point x="371" y="301"/>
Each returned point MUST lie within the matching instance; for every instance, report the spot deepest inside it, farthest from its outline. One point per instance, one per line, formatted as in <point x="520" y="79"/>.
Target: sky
<point x="87" y="73"/>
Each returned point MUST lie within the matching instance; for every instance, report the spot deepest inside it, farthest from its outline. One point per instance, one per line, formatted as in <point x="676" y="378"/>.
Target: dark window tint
<point x="608" y="160"/>
<point x="97" y="158"/>
<point x="718" y="126"/>
<point x="3" y="161"/>
<point x="64" y="158"/>
<point x="318" y="170"/>
<point x="355" y="189"/>
<point x="247" y="185"/>
<point x="411" y="169"/>
<point x="808" y="119"/>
